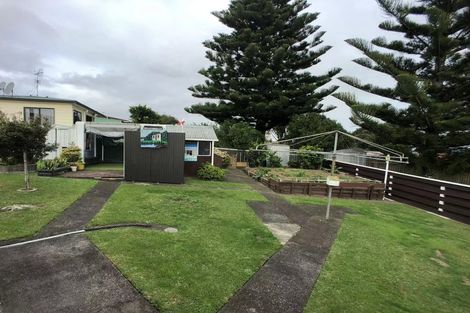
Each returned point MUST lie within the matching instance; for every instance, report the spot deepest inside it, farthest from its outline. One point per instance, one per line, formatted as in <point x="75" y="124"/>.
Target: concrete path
<point x="285" y="282"/>
<point x="81" y="211"/>
<point x="67" y="274"/>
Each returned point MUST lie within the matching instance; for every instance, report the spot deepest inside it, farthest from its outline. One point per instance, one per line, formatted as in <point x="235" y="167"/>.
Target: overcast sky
<point x="111" y="54"/>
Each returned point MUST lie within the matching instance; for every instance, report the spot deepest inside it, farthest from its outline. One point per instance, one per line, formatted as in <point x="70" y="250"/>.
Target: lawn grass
<point x="219" y="245"/>
<point x="52" y="197"/>
<point x="386" y="259"/>
<point x="104" y="167"/>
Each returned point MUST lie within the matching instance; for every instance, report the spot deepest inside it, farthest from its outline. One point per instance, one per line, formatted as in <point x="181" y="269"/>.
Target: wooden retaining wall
<point x="367" y="191"/>
<point x="445" y="198"/>
<point x="356" y="190"/>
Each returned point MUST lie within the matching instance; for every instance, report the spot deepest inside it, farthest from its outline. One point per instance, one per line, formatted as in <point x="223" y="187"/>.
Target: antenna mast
<point x="38" y="75"/>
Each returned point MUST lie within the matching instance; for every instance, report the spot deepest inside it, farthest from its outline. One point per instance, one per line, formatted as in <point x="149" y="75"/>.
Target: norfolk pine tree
<point x="431" y="67"/>
<point x="260" y="72"/>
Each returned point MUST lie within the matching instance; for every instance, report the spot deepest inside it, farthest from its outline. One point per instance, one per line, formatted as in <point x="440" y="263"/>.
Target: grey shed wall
<point x="162" y="165"/>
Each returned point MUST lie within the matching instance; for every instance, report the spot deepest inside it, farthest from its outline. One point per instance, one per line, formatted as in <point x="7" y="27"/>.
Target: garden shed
<point x="183" y="151"/>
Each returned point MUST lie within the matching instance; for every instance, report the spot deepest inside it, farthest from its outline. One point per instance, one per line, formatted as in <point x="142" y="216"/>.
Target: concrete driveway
<point x="66" y="274"/>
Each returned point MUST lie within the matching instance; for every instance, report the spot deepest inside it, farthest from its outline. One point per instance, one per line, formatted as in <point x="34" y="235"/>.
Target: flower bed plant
<point x="52" y="167"/>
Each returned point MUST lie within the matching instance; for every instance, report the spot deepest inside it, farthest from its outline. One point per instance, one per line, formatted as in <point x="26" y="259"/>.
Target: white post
<point x="80" y="138"/>
<point x="333" y="157"/>
<point x="212" y="152"/>
<point x="330" y="190"/>
<point x="333" y="165"/>
<point x="387" y="164"/>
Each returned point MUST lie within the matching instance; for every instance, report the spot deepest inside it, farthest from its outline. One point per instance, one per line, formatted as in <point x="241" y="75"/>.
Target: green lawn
<point x="104" y="167"/>
<point x="220" y="242"/>
<point x="389" y="257"/>
<point x="52" y="197"/>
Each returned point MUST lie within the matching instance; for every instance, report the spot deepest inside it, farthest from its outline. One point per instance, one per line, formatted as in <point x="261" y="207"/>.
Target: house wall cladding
<point x="448" y="199"/>
<point x="162" y="165"/>
<point x="190" y="168"/>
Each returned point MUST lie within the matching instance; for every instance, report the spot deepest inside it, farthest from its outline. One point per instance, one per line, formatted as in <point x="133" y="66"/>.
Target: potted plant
<point x="80" y="165"/>
<point x="73" y="167"/>
<point x="73" y="156"/>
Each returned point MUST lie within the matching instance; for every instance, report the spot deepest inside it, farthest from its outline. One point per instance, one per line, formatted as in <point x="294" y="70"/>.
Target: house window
<point x="46" y="115"/>
<point x="204" y="148"/>
<point x="77" y="116"/>
<point x="89" y="118"/>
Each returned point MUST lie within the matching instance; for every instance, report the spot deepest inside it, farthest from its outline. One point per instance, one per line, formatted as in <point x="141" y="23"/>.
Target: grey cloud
<point x="110" y="55"/>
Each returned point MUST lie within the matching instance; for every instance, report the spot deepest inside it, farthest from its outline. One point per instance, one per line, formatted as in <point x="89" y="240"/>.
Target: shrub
<point x="306" y="160"/>
<point x="226" y="160"/>
<point x="210" y="172"/>
<point x="71" y="154"/>
<point x="261" y="173"/>
<point x="273" y="160"/>
<point x="48" y="165"/>
<point x="256" y="158"/>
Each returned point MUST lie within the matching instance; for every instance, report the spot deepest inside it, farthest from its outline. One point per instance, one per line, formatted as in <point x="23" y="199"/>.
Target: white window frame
<point x="210" y="148"/>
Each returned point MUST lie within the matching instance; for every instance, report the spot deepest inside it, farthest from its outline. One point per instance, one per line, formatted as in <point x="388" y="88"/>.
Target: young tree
<point x="313" y="123"/>
<point x="431" y="67"/>
<point x="238" y="135"/>
<point x="144" y="114"/>
<point x="23" y="140"/>
<point x="261" y="71"/>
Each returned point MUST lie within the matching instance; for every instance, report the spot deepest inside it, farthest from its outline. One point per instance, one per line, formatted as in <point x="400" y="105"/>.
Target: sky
<point x="111" y="54"/>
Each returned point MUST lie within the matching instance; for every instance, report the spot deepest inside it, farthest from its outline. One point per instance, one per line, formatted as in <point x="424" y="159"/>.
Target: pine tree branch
<point x="383" y="92"/>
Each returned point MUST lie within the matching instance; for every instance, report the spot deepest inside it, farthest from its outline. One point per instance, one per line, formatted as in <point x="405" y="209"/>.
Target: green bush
<point x="71" y="154"/>
<point x="226" y="160"/>
<point x="263" y="159"/>
<point x="256" y="158"/>
<point x="262" y="173"/>
<point x="48" y="165"/>
<point x="307" y="160"/>
<point x="210" y="172"/>
<point x="273" y="160"/>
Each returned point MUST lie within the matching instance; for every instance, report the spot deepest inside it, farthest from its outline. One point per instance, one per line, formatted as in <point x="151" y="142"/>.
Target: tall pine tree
<point x="261" y="70"/>
<point x="431" y="67"/>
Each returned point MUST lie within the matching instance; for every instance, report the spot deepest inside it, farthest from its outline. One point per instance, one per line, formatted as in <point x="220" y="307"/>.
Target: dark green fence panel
<point x="161" y="165"/>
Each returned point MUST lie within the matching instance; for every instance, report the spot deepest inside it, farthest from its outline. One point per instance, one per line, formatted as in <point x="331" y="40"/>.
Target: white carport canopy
<point x="110" y="130"/>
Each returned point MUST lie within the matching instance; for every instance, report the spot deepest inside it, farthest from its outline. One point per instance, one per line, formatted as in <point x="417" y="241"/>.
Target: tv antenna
<point x="38" y="75"/>
<point x="9" y="89"/>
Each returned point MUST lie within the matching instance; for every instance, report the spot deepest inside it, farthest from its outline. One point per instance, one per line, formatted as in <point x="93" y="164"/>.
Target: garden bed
<point x="53" y="172"/>
<point x="313" y="182"/>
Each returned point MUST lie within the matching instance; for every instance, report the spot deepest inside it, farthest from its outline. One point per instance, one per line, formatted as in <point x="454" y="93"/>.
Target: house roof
<point x="47" y="99"/>
<point x="198" y="132"/>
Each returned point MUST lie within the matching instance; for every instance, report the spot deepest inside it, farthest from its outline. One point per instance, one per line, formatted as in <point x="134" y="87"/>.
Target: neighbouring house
<point x="62" y="114"/>
<point x="59" y="112"/>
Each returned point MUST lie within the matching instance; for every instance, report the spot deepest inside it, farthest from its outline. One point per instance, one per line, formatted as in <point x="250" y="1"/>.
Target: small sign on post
<point x="331" y="181"/>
